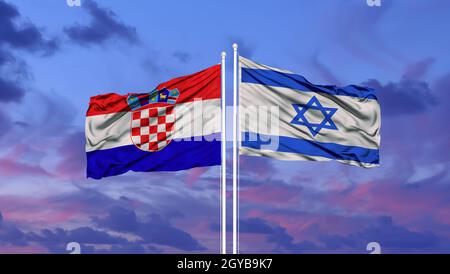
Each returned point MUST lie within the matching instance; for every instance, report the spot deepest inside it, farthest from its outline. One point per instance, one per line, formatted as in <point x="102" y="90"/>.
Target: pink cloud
<point x="42" y="212"/>
<point x="266" y="194"/>
<point x="9" y="167"/>
<point x="193" y="175"/>
<point x="23" y="250"/>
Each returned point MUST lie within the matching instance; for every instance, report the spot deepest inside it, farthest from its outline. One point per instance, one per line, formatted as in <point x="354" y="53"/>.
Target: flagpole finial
<point x="235" y="46"/>
<point x="224" y="54"/>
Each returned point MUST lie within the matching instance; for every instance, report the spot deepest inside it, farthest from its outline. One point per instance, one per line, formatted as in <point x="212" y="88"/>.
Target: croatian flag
<point x="306" y="121"/>
<point x="174" y="127"/>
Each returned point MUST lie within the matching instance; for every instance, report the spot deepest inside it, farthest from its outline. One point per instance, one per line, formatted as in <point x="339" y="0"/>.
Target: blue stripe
<point x="313" y="148"/>
<point x="178" y="155"/>
<point x="298" y="82"/>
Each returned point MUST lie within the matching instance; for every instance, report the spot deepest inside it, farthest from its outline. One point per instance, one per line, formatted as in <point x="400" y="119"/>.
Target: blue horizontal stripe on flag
<point x="178" y="155"/>
<point x="313" y="148"/>
<point x="298" y="82"/>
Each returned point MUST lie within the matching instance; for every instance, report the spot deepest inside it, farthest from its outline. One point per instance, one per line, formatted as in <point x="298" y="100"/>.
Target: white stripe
<point x="198" y="118"/>
<point x="358" y="120"/>
<point x="288" y="156"/>
<point x="246" y="63"/>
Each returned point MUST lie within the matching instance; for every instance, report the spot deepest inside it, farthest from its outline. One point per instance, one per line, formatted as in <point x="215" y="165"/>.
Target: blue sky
<point x="54" y="57"/>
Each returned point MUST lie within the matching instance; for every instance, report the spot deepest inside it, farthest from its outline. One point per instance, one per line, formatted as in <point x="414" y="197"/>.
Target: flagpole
<point x="223" y="189"/>
<point x="235" y="138"/>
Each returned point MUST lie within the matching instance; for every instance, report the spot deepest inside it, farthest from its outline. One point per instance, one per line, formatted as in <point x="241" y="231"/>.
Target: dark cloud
<point x="384" y="231"/>
<point x="275" y="234"/>
<point x="403" y="97"/>
<point x="159" y="231"/>
<point x="183" y="57"/>
<point x="255" y="225"/>
<point x="418" y="69"/>
<point x="336" y="242"/>
<point x="156" y="230"/>
<point x="5" y="57"/>
<point x="355" y="26"/>
<point x="286" y="243"/>
<point x="18" y="34"/>
<point x="442" y="88"/>
<point x="129" y="249"/>
<point x="16" y="168"/>
<point x="103" y="27"/>
<point x="22" y="35"/>
<point x="10" y="91"/>
<point x="12" y="235"/>
<point x="9" y="234"/>
<point x="56" y="240"/>
<point x="120" y="219"/>
<point x="92" y="236"/>
<point x="248" y="225"/>
<point x="157" y="68"/>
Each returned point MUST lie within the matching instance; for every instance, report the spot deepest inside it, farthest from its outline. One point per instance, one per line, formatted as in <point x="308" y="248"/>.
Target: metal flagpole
<point x="235" y="138"/>
<point x="223" y="189"/>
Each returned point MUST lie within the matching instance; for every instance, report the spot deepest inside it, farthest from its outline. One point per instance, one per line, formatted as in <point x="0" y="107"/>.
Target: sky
<point x="53" y="58"/>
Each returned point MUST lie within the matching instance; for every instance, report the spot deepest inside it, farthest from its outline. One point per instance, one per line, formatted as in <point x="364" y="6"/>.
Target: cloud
<point x="182" y="56"/>
<point x="260" y="167"/>
<point x="193" y="175"/>
<point x="57" y="239"/>
<point x="273" y="192"/>
<point x="103" y="27"/>
<point x="274" y="234"/>
<point x="393" y="236"/>
<point x="403" y="97"/>
<point x="244" y="49"/>
<point x="119" y="219"/>
<point x="285" y="243"/>
<point x="12" y="71"/>
<point x="10" y="91"/>
<point x="355" y="27"/>
<point x="16" y="35"/>
<point x="418" y="70"/>
<point x="385" y="232"/>
<point x="129" y="249"/>
<point x="9" y="234"/>
<point x="155" y="230"/>
<point x="324" y="71"/>
<point x="255" y="225"/>
<point x="72" y="150"/>
<point x="410" y="95"/>
<point x="24" y="36"/>
<point x="441" y="87"/>
<point x="11" y="167"/>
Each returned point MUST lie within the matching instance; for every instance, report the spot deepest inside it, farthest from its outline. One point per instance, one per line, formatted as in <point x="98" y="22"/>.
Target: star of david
<point x="314" y="128"/>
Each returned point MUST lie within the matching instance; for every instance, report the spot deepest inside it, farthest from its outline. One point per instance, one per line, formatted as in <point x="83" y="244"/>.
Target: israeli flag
<point x="283" y="116"/>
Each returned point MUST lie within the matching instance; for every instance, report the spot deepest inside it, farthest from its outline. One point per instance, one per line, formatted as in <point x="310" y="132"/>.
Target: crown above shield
<point x="136" y="101"/>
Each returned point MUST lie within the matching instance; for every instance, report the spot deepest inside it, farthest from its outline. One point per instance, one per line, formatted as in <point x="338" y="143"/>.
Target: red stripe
<point x="202" y="85"/>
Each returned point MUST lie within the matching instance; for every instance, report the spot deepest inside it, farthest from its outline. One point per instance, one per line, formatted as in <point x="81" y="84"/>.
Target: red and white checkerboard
<point x="152" y="128"/>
